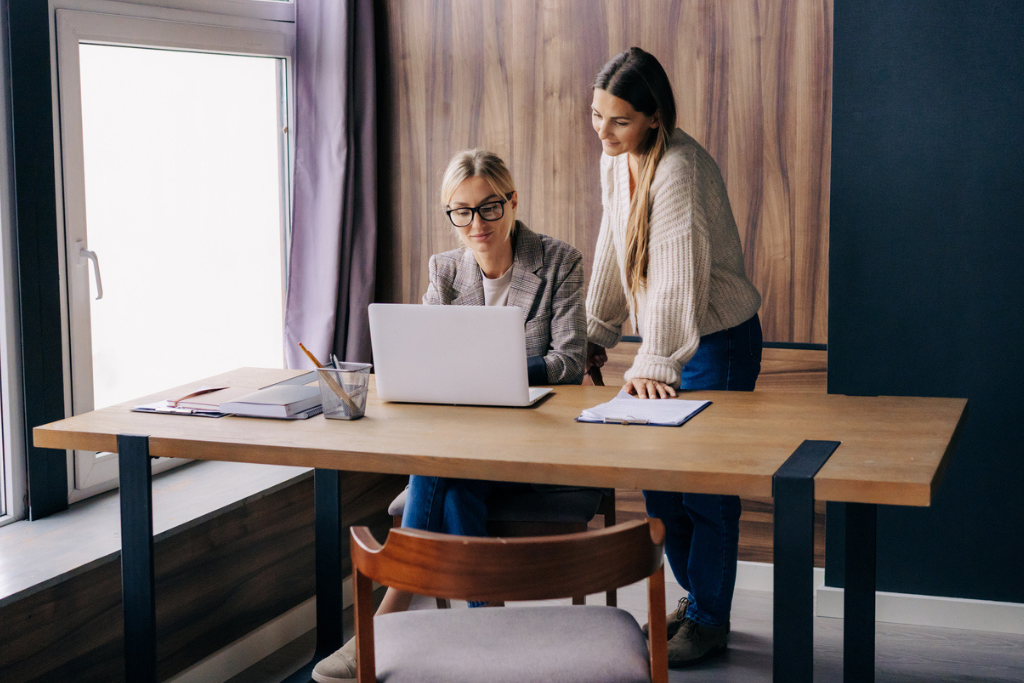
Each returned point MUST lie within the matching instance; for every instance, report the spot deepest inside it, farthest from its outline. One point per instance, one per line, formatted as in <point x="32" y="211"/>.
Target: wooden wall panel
<point x="752" y="82"/>
<point x="216" y="582"/>
<point x="781" y="369"/>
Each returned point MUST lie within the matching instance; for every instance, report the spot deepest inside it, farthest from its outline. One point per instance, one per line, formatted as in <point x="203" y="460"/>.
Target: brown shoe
<point x="695" y="642"/>
<point x="674" y="620"/>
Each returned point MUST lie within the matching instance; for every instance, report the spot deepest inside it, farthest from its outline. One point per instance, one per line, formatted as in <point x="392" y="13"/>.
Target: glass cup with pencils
<point x="343" y="387"/>
<point x="346" y="381"/>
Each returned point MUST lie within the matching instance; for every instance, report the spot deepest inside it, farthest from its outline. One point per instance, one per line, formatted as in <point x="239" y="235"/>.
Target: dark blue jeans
<point x="451" y="506"/>
<point x="702" y="530"/>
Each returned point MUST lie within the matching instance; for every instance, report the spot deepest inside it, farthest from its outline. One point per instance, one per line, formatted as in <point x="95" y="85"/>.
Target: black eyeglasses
<point x="490" y="212"/>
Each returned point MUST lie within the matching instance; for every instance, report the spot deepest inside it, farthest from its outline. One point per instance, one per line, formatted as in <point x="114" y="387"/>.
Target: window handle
<point x="91" y="255"/>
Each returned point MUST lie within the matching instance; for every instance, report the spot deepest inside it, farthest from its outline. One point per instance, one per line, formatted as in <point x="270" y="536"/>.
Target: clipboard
<point x="629" y="410"/>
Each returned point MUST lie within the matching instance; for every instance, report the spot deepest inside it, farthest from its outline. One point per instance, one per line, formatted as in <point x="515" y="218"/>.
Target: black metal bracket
<point x="793" y="614"/>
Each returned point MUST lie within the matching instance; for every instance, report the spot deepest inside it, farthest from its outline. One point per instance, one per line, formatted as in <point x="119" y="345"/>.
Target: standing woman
<point x="669" y="258"/>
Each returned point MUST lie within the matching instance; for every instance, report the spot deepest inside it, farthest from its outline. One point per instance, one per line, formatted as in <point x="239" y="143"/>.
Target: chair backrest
<point x="534" y="568"/>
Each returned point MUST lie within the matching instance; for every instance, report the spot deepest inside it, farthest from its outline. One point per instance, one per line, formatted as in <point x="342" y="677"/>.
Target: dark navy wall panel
<point x="38" y="249"/>
<point x="927" y="268"/>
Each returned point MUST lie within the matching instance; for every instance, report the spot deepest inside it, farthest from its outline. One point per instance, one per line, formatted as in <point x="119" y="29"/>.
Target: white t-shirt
<point x="496" y="290"/>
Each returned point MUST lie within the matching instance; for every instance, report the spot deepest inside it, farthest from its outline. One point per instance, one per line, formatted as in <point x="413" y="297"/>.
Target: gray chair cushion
<point x="553" y="644"/>
<point x="561" y="505"/>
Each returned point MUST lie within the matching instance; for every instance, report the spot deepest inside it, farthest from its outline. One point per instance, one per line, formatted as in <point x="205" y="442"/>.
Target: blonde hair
<point x="479" y="163"/>
<point x="638" y="226"/>
<point x="638" y="78"/>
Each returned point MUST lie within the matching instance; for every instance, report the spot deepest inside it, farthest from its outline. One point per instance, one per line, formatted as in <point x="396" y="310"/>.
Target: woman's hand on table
<point x="648" y="388"/>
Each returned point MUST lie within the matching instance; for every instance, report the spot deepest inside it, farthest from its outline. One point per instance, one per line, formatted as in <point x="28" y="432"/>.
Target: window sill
<point x="40" y="554"/>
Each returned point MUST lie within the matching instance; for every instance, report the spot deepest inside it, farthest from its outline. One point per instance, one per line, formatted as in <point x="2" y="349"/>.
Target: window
<point x="12" y="452"/>
<point x="176" y="189"/>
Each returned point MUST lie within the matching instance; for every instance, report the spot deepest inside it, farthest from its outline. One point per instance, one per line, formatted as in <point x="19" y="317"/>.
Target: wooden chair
<point x="593" y="643"/>
<point x="562" y="510"/>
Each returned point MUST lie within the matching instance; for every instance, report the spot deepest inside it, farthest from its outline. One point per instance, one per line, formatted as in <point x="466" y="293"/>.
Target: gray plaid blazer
<point x="547" y="283"/>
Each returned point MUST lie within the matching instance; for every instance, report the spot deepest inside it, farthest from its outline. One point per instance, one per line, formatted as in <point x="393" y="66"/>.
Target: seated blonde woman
<point x="501" y="263"/>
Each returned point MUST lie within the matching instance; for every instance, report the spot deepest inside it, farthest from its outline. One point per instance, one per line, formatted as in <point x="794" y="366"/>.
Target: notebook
<point x="209" y="398"/>
<point x="206" y="400"/>
<point x="279" y="400"/>
<point x="459" y="355"/>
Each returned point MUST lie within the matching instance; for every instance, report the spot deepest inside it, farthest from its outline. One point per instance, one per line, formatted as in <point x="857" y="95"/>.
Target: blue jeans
<point x="702" y="530"/>
<point x="451" y="506"/>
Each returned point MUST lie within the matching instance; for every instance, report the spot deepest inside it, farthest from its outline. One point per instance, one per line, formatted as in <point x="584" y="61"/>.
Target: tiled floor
<point x="907" y="654"/>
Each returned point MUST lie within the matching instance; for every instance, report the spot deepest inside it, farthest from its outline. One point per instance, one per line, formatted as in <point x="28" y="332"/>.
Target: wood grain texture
<point x="893" y="448"/>
<point x="752" y="81"/>
<point x="216" y="582"/>
<point x="535" y="568"/>
<point x="781" y="369"/>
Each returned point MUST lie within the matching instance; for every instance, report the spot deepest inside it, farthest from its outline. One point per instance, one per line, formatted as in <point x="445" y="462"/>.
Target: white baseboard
<point x="898" y="608"/>
<point x="240" y="655"/>
<point x="235" y="658"/>
<point x="929" y="610"/>
<point x="760" y="576"/>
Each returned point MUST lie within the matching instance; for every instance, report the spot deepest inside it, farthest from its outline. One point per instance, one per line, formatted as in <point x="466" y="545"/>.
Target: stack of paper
<point x="626" y="409"/>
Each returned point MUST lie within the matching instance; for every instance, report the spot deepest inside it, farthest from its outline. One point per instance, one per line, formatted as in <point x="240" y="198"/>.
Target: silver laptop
<point x="463" y="355"/>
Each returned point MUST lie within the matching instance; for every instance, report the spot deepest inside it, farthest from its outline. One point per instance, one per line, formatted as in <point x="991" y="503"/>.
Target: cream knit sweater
<point x="696" y="283"/>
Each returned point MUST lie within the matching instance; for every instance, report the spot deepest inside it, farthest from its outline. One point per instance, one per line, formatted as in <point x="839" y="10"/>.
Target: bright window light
<point x="184" y="194"/>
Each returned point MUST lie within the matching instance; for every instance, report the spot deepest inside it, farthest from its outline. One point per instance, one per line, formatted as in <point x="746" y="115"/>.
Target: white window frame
<point x="12" y="458"/>
<point x="143" y="24"/>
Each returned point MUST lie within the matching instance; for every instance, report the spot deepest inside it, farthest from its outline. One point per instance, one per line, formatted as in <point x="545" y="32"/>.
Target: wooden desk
<point x="893" y="451"/>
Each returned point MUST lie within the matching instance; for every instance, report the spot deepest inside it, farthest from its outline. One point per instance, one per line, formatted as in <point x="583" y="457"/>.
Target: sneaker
<point x="674" y="620"/>
<point x="339" y="667"/>
<point x="695" y="642"/>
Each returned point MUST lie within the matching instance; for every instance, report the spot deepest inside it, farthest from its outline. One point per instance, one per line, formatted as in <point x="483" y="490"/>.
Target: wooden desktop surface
<point x="894" y="449"/>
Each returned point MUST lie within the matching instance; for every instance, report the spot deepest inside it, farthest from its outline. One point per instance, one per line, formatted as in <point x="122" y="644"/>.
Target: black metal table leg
<point x="859" y="594"/>
<point x="793" y="619"/>
<point x="329" y="598"/>
<point x="329" y="593"/>
<point x="138" y="578"/>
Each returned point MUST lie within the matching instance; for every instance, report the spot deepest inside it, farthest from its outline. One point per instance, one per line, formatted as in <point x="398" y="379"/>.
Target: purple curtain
<point x="334" y="215"/>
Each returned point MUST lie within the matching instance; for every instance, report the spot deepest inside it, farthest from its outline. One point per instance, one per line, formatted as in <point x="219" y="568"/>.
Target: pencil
<point x="335" y="387"/>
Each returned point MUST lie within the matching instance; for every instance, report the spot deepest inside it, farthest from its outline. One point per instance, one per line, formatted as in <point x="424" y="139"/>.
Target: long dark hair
<point x="636" y="77"/>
